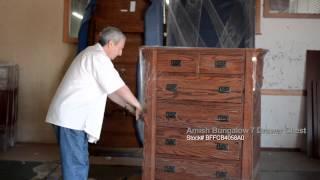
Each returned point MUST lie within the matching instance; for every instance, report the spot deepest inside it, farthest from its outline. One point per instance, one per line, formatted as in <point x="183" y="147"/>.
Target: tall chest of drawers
<point x="193" y="96"/>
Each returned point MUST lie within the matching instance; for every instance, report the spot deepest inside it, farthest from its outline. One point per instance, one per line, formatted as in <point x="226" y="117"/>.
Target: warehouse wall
<point x="287" y="41"/>
<point x="31" y="36"/>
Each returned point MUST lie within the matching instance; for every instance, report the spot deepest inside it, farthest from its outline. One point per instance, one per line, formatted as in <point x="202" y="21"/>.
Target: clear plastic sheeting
<point x="141" y="96"/>
<point x="210" y="23"/>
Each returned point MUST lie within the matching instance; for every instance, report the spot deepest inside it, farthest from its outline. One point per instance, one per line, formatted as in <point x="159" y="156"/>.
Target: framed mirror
<point x="73" y="14"/>
<point x="291" y="8"/>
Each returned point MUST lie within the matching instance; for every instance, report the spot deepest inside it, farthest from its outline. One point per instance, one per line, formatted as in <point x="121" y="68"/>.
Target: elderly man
<point x="77" y="108"/>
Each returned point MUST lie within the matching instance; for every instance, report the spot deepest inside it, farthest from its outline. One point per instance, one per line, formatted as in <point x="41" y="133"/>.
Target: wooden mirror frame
<point x="267" y="14"/>
<point x="66" y="23"/>
<point x="258" y="17"/>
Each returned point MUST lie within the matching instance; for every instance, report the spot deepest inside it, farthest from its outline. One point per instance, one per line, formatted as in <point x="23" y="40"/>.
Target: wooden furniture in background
<point x="9" y="74"/>
<point x="118" y="128"/>
<point x="201" y="88"/>
<point x="313" y="103"/>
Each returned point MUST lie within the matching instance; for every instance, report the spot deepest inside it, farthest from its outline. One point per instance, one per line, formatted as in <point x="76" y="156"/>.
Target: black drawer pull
<point x="170" y="142"/>
<point x="171" y="115"/>
<point x="171" y="87"/>
<point x="221" y="174"/>
<point x="176" y="63"/>
<point x="221" y="146"/>
<point x="224" y="89"/>
<point x="169" y="169"/>
<point x="220" y="64"/>
<point x="223" y="118"/>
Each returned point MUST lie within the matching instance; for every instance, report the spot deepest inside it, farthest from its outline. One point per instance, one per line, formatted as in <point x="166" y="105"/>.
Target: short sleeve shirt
<point x="79" y="102"/>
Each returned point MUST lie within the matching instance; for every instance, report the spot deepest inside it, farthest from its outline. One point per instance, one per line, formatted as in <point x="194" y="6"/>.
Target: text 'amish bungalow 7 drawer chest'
<point x="202" y="105"/>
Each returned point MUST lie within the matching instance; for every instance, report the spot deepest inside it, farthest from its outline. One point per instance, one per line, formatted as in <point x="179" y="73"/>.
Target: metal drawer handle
<point x="221" y="174"/>
<point x="175" y="63"/>
<point x="224" y="89"/>
<point x="221" y="146"/>
<point x="169" y="169"/>
<point x="223" y="118"/>
<point x="170" y="142"/>
<point x="171" y="87"/>
<point x="170" y="115"/>
<point x="220" y="64"/>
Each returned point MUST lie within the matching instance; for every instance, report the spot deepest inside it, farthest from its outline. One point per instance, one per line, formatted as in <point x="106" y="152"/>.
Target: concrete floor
<point x="288" y="165"/>
<point x="274" y="165"/>
<point x="50" y="152"/>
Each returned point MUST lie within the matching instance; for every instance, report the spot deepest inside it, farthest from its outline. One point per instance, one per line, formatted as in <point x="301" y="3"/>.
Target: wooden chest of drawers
<point x="190" y="94"/>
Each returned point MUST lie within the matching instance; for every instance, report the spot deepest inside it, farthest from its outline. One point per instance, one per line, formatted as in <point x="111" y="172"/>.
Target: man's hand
<point x="139" y="113"/>
<point x="126" y="99"/>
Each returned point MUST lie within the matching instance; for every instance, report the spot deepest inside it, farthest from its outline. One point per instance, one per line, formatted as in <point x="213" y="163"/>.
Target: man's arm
<point x="126" y="99"/>
<point x="121" y="102"/>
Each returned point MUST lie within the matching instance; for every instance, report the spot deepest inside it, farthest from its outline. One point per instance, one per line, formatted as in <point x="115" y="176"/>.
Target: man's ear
<point x="110" y="44"/>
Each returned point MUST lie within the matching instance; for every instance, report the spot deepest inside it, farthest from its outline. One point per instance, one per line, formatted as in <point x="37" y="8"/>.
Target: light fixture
<point x="77" y="15"/>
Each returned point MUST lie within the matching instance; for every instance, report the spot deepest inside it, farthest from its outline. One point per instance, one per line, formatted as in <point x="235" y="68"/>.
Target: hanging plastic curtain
<point x="153" y="34"/>
<point x="210" y="23"/>
<point x="84" y="27"/>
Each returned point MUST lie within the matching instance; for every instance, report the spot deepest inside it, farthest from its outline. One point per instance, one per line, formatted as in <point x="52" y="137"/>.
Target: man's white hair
<point x="111" y="34"/>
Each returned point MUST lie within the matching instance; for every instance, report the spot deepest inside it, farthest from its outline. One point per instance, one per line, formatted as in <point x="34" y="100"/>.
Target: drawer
<point x="173" y="142"/>
<point x="221" y="64"/>
<point x="212" y="89"/>
<point x="183" y="169"/>
<point x="128" y="74"/>
<point x="185" y="114"/>
<point x="126" y="71"/>
<point x="177" y="62"/>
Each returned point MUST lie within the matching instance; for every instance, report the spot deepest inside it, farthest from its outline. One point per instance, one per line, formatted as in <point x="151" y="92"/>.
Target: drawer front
<point x="177" y="62"/>
<point x="212" y="89"/>
<point x="182" y="169"/>
<point x="173" y="142"/>
<point x="185" y="114"/>
<point x="128" y="74"/>
<point x="221" y="64"/>
<point x="126" y="71"/>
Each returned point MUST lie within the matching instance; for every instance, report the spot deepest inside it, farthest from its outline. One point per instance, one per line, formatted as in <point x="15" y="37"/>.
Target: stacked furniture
<point x="313" y="103"/>
<point x="198" y="88"/>
<point x="8" y="104"/>
<point x="118" y="129"/>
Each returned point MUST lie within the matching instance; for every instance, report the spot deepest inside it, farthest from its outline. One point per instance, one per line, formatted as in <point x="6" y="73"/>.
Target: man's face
<point x="115" y="50"/>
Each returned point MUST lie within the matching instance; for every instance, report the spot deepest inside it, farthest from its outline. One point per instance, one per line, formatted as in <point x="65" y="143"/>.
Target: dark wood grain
<point x="116" y="13"/>
<point x="118" y="127"/>
<point x="128" y="74"/>
<point x="196" y="170"/>
<point x="187" y="62"/>
<point x="312" y="104"/>
<point x="232" y="64"/>
<point x="149" y="149"/>
<point x="202" y="114"/>
<point x="185" y="94"/>
<point x="199" y="149"/>
<point x="200" y="88"/>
